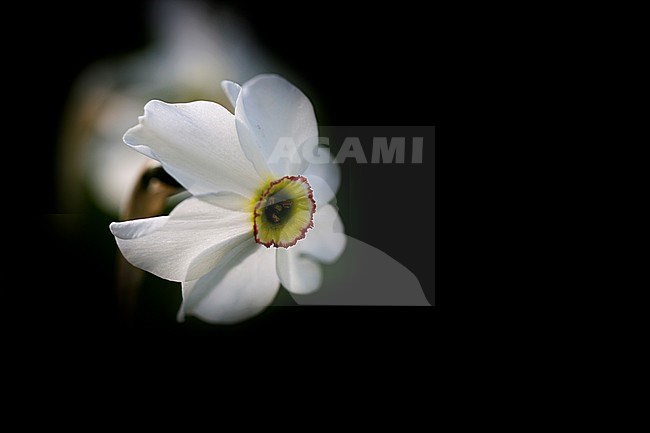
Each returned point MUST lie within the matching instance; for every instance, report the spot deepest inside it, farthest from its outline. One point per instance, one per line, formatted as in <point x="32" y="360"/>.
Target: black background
<point x="372" y="67"/>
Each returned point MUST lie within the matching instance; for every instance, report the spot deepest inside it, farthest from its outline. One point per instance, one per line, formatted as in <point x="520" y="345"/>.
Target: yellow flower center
<point x="284" y="212"/>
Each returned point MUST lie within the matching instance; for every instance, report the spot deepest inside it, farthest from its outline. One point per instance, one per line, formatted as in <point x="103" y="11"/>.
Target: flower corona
<point x="284" y="212"/>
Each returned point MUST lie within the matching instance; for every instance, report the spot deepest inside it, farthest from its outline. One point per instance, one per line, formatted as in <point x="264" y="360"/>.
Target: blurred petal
<point x="324" y="242"/>
<point x="232" y="91"/>
<point x="272" y="112"/>
<point x="187" y="244"/>
<point x="197" y="144"/>
<point x="236" y="291"/>
<point x="324" y="177"/>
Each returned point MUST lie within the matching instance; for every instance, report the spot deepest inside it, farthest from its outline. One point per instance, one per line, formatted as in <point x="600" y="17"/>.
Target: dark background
<point x="376" y="67"/>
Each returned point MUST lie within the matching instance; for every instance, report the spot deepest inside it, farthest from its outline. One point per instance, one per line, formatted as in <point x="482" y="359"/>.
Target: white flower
<point x="254" y="220"/>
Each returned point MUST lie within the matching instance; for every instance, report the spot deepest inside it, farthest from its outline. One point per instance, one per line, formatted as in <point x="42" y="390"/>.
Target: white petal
<point x="272" y="112"/>
<point x="138" y="228"/>
<point x="187" y="244"/>
<point x="227" y="200"/>
<point x="323" y="194"/>
<point x="324" y="177"/>
<point x="235" y="292"/>
<point x="197" y="144"/>
<point x="324" y="242"/>
<point x="232" y="91"/>
<point x="298" y="274"/>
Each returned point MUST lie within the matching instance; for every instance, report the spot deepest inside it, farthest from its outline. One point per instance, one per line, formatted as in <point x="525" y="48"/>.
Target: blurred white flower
<point x="194" y="47"/>
<point x="255" y="219"/>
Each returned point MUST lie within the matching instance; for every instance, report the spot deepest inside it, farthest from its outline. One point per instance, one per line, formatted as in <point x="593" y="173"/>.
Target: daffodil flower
<point x="259" y="214"/>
